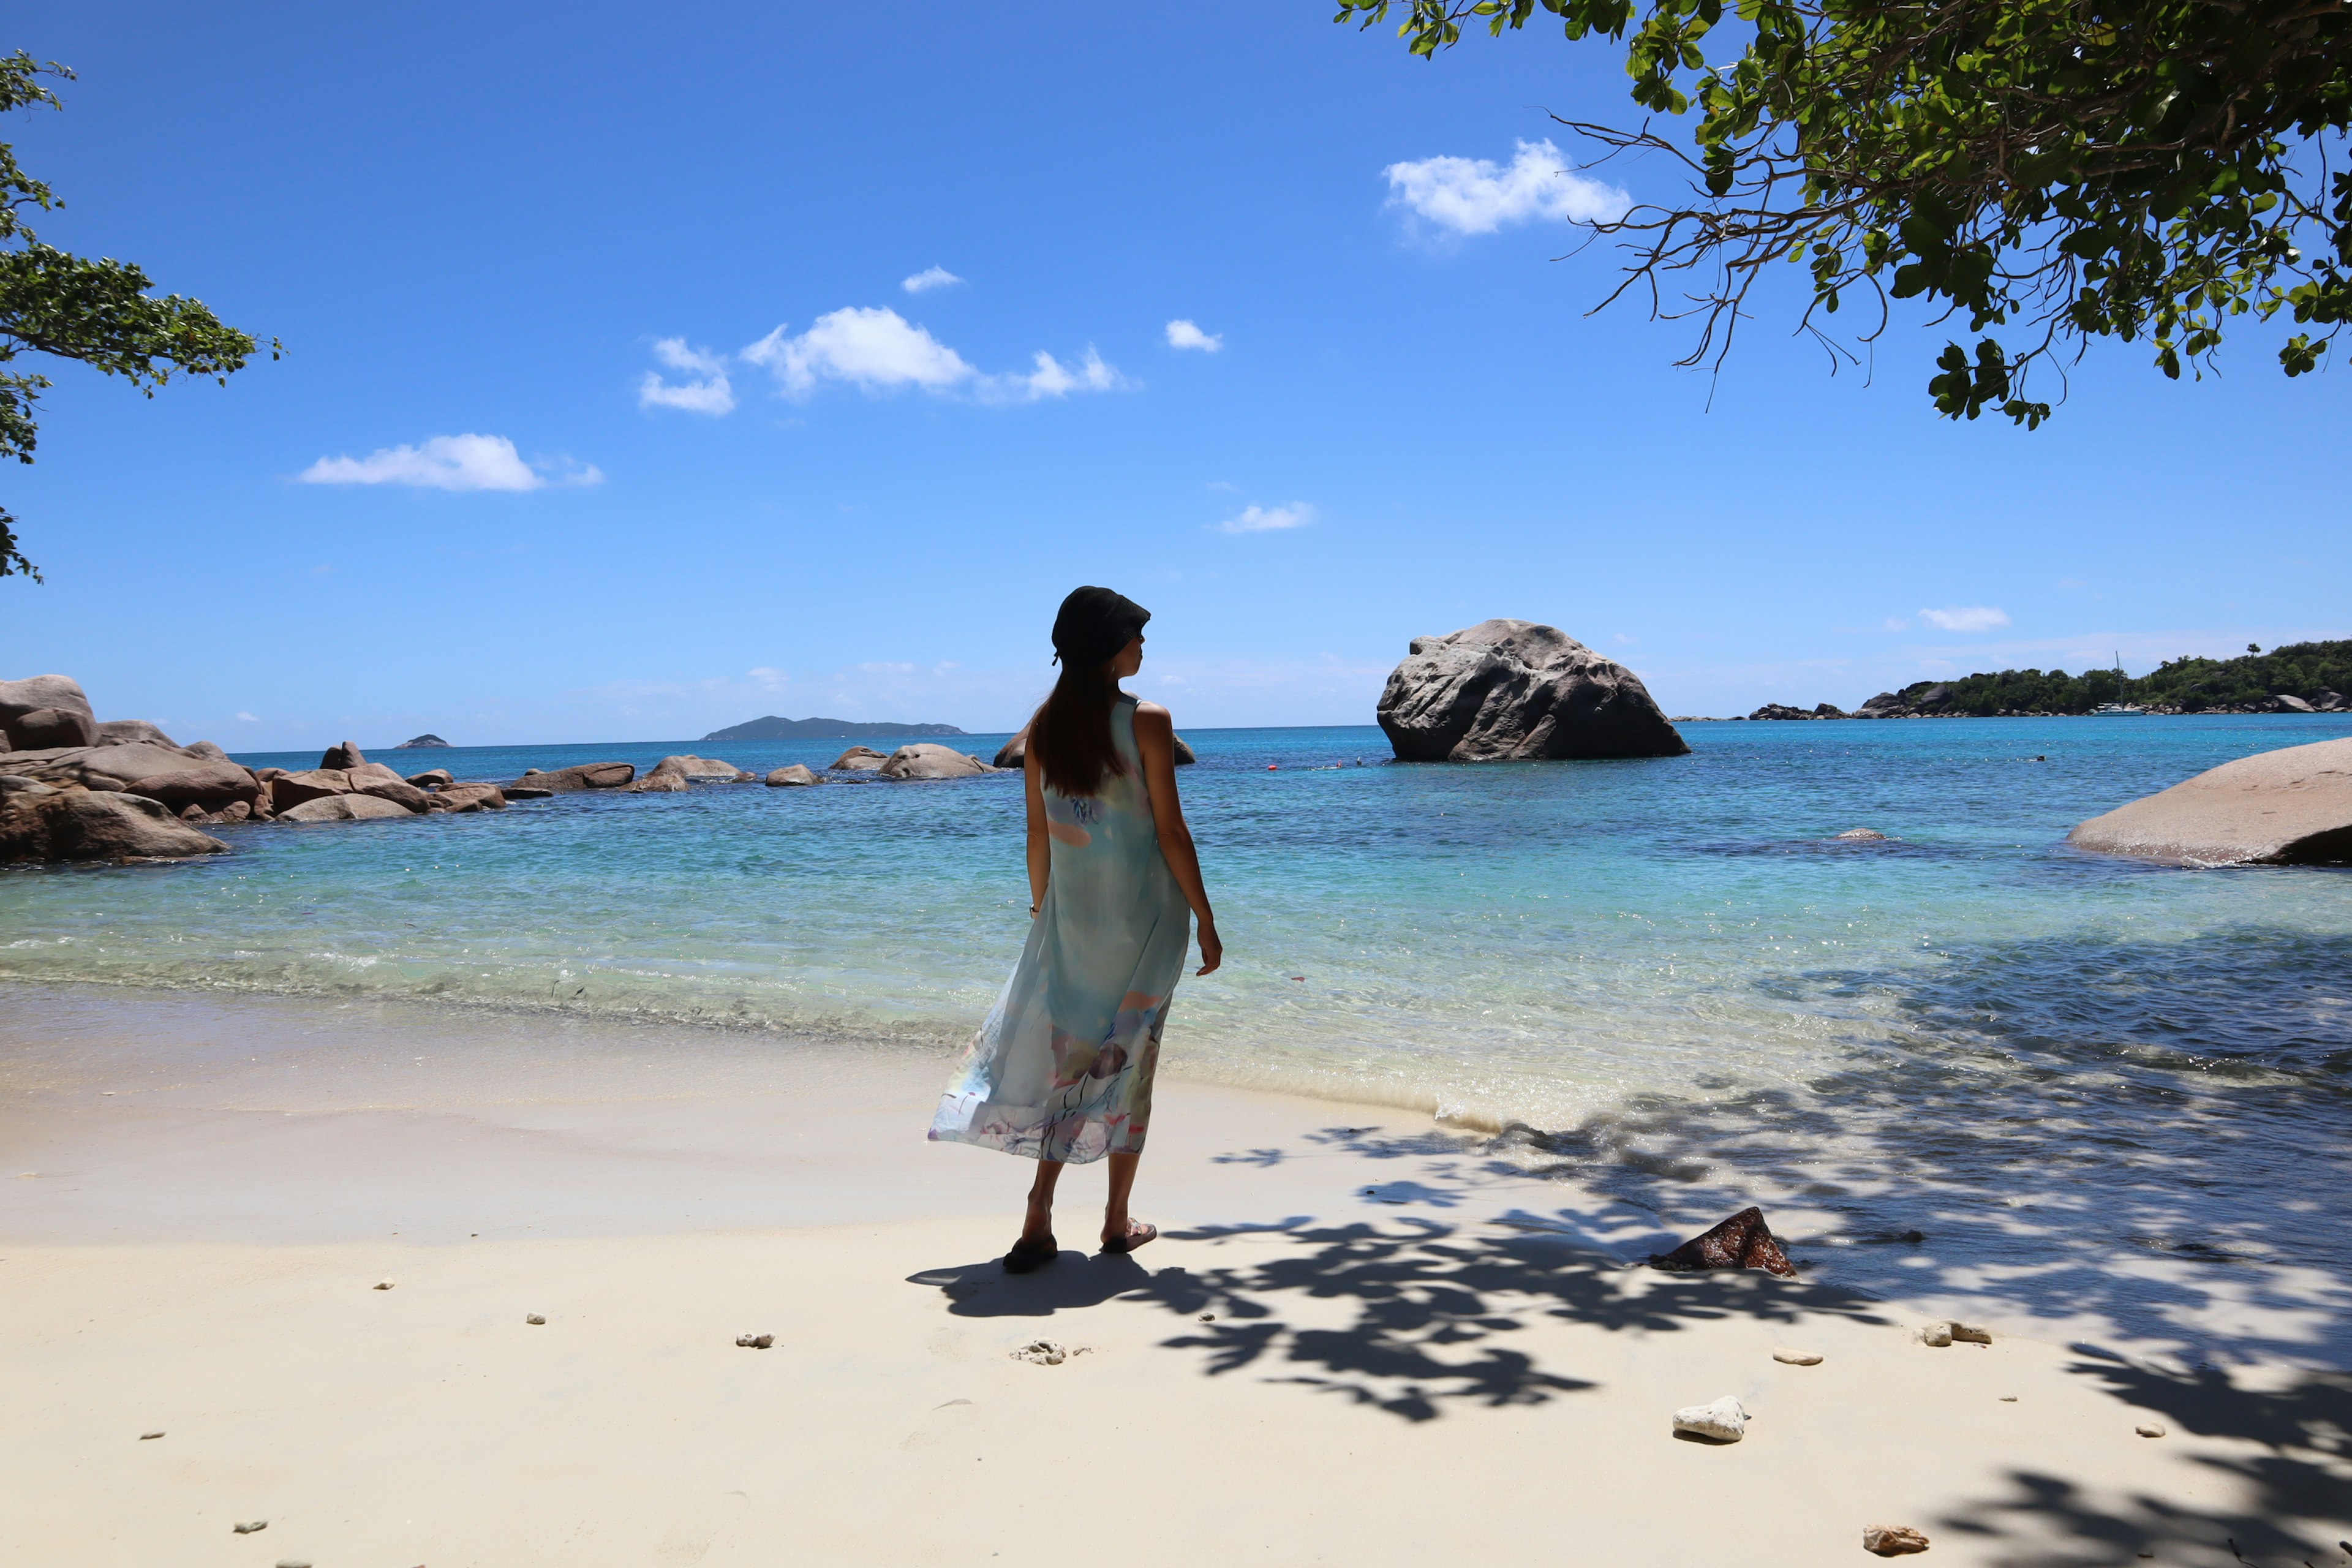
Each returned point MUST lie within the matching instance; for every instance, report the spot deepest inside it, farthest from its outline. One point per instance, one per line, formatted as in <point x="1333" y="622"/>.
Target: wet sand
<point x="1362" y="1339"/>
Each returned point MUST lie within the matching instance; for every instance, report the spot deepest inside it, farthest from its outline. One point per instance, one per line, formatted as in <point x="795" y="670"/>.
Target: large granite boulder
<point x="122" y="731"/>
<point x="859" y="760"/>
<point x="1506" y="689"/>
<point x="105" y="767"/>
<point x="343" y="756"/>
<point x="586" y="775"/>
<point x="289" y="790"/>
<point x="40" y="693"/>
<point x="41" y="821"/>
<point x="211" y="787"/>
<point x="345" y="808"/>
<point x="467" y="797"/>
<point x="2288" y="808"/>
<point x="929" y="760"/>
<point x="1015" y="752"/>
<point x="432" y="778"/>
<point x="792" y="776"/>
<point x="664" y="779"/>
<point x="47" y="727"/>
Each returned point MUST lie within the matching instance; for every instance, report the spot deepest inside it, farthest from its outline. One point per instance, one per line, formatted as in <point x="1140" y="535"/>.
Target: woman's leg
<point x="1039" y="1224"/>
<point x="1122" y="1179"/>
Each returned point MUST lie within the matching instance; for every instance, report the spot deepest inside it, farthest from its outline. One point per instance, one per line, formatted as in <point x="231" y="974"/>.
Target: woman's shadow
<point x="1072" y="1282"/>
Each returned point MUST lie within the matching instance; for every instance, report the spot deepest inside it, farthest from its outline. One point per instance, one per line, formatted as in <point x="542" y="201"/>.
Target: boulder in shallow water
<point x="792" y="776"/>
<point x="343" y="756"/>
<point x="1507" y="689"/>
<point x="927" y="760"/>
<point x="467" y="797"/>
<point x="2288" y="808"/>
<point x="859" y="760"/>
<point x="432" y="778"/>
<point x="1743" y="1241"/>
<point x="586" y="775"/>
<point x="345" y="808"/>
<point x="47" y="823"/>
<point x="663" y="779"/>
<point x="398" y="791"/>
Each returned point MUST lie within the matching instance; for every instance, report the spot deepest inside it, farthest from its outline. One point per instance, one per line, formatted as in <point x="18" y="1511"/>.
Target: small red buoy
<point x="1270" y="767"/>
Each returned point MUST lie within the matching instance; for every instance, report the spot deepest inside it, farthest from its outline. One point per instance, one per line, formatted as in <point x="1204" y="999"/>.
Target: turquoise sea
<point x="1666" y="977"/>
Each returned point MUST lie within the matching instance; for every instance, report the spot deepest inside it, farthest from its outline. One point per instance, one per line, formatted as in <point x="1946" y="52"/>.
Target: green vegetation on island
<point x="2312" y="671"/>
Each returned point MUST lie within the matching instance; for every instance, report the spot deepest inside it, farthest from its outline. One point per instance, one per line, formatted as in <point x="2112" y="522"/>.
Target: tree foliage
<point x="2308" y="670"/>
<point x="69" y="307"/>
<point x="2070" y="170"/>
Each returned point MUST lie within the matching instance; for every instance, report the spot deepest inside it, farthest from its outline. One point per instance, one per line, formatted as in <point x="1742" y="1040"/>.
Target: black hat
<point x="1094" y="624"/>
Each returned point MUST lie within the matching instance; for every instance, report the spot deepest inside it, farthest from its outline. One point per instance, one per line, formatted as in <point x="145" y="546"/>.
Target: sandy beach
<point x="1361" y="1340"/>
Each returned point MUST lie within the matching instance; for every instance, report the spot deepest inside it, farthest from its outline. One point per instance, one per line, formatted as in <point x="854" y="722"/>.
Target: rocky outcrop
<point x="663" y="779"/>
<point x="346" y="755"/>
<point x="793" y="777"/>
<point x="927" y="760"/>
<point x="46" y="695"/>
<point x="122" y="731"/>
<point x="1743" y="1241"/>
<point x="1506" y="689"/>
<point x="421" y="742"/>
<point x="213" y="786"/>
<point x="288" y="791"/>
<point x="1015" y="752"/>
<point x="2292" y="807"/>
<point x="467" y="797"/>
<point x="859" y="760"/>
<point x="432" y="778"/>
<point x="586" y="775"/>
<point x="345" y="808"/>
<point x="41" y="821"/>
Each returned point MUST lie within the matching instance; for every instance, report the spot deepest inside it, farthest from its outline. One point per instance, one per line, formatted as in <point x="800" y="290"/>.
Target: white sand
<point x="1445" y="1369"/>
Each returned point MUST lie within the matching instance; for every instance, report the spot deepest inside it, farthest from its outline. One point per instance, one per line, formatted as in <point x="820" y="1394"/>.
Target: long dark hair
<point x="1070" y="735"/>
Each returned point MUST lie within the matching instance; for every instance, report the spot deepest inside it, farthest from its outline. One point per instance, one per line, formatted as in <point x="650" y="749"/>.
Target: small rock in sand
<point x="383" y="1284"/>
<point x="755" y="1341"/>
<point x="1208" y="1317"/>
<point x="1046" y="1352"/>
<point x="1725" y="1421"/>
<point x="2009" y="1399"/>
<point x="1797" y="1358"/>
<point x="533" y="1318"/>
<point x="293" y="1563"/>
<point x="1892" y="1539"/>
<point x="1968" y="1333"/>
<point x="149" y="1437"/>
<point x="250" y="1525"/>
<point x="1937" y="1334"/>
<point x="2150" y="1428"/>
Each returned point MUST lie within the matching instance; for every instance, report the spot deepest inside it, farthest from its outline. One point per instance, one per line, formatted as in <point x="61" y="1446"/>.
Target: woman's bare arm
<point x="1155" y="738"/>
<point x="1040" y="848"/>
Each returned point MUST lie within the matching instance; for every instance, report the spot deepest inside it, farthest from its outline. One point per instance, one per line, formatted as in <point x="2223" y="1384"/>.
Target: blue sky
<point x="480" y="230"/>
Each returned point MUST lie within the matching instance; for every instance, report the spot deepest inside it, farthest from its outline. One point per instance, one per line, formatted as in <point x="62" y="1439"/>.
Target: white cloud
<point x="1965" y="618"/>
<point x="1052" y="378"/>
<point x="1264" y="519"/>
<point x="769" y="679"/>
<point x="450" y="463"/>
<point x="248" y="718"/>
<point x="872" y="348"/>
<point x="708" y="392"/>
<point x="930" y="278"/>
<point x="1474" y="196"/>
<point x="1185" y="336"/>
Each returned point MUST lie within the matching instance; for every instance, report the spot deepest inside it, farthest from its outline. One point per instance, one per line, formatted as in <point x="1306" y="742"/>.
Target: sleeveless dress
<point x="1062" y="1069"/>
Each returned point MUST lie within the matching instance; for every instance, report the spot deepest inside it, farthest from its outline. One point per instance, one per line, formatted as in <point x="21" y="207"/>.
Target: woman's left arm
<point x="1155" y="738"/>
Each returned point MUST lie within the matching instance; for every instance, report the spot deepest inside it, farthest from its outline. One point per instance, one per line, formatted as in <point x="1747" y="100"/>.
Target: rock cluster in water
<point x="72" y="788"/>
<point x="1507" y="689"/>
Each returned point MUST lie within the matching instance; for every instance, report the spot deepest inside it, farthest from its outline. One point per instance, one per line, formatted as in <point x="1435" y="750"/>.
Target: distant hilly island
<point x="773" y="727"/>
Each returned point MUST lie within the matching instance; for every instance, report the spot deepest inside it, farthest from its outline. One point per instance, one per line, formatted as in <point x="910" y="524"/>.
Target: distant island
<point x="2313" y="673"/>
<point x="426" y="741"/>
<point x="773" y="727"/>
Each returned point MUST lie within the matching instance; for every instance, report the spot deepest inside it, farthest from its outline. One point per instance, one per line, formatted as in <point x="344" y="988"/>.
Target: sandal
<point x="1027" y="1254"/>
<point x="1138" y="1233"/>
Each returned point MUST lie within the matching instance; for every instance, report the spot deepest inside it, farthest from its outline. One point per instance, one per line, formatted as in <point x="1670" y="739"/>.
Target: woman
<point x="1062" y="1069"/>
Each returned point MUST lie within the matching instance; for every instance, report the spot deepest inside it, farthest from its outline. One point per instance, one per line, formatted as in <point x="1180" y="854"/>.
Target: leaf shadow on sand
<point x="1421" y="1305"/>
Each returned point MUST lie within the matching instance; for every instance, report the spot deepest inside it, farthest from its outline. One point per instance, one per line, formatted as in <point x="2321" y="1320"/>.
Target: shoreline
<point x="1339" y="1294"/>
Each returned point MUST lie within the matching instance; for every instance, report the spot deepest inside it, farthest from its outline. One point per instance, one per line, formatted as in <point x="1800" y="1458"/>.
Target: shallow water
<point x="1664" y="975"/>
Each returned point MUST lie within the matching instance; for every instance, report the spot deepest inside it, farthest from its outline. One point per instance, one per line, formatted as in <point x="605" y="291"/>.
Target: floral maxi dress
<point x="1062" y="1069"/>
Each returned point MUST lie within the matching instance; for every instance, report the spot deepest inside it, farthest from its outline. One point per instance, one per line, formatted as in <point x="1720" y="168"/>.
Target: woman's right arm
<point x="1041" y="847"/>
